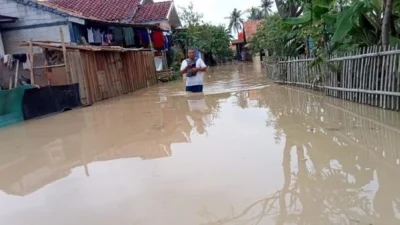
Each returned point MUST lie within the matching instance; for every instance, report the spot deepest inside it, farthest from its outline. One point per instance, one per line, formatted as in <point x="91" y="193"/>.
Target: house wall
<point x="165" y="25"/>
<point x="32" y="23"/>
<point x="1" y="46"/>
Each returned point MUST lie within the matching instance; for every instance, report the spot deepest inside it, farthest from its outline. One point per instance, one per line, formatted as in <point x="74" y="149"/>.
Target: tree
<point x="386" y="21"/>
<point x="204" y="36"/>
<point x="189" y="17"/>
<point x="235" y="21"/>
<point x="254" y="14"/>
<point x="290" y="8"/>
<point x="266" y="6"/>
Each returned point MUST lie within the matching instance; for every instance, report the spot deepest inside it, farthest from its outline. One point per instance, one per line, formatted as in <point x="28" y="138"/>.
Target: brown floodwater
<point x="246" y="152"/>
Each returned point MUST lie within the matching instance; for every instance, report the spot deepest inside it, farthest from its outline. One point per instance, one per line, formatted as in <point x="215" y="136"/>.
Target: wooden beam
<point x="51" y="66"/>
<point x="64" y="50"/>
<point x="151" y="42"/>
<point x="344" y="89"/>
<point x="16" y="74"/>
<point x="32" y="75"/>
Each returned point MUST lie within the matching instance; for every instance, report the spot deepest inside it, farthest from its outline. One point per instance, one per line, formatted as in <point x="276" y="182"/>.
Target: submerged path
<point x="245" y="152"/>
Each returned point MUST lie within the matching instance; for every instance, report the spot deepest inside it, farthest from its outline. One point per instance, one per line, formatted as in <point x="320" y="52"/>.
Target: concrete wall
<point x="32" y="23"/>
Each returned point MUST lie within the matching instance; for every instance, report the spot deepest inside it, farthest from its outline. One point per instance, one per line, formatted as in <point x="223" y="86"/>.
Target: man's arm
<point x="202" y="67"/>
<point x="184" y="67"/>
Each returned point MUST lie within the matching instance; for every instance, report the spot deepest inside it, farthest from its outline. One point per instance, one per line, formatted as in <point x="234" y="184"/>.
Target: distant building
<point x="240" y="45"/>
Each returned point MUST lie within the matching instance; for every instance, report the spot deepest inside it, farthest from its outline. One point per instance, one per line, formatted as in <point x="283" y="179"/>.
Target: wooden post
<point x="16" y="74"/>
<point x="64" y="49"/>
<point x="10" y="83"/>
<point x="32" y="74"/>
<point x="150" y="41"/>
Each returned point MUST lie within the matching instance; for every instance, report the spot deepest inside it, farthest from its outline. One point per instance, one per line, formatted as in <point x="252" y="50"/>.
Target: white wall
<point x="1" y="46"/>
<point x="12" y="39"/>
<point x="32" y="23"/>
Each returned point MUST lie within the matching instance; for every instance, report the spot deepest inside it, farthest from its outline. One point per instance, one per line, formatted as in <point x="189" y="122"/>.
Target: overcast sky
<point x="216" y="10"/>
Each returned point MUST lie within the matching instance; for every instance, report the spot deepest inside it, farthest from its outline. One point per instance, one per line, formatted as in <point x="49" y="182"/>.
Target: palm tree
<point x="235" y="20"/>
<point x="254" y="13"/>
<point x="266" y="6"/>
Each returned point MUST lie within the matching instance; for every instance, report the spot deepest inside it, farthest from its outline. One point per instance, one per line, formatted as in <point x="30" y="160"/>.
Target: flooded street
<point x="246" y="152"/>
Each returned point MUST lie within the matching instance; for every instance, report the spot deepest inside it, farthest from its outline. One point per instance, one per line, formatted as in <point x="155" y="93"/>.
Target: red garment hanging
<point x="158" y="39"/>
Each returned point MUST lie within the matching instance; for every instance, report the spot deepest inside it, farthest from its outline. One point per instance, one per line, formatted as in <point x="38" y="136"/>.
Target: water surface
<point x="245" y="152"/>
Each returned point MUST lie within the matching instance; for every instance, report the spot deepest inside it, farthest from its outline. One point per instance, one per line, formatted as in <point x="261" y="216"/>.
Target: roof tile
<point x="104" y="10"/>
<point x="152" y="12"/>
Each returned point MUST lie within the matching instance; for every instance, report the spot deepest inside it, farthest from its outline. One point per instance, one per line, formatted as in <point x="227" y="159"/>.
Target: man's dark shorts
<point x="195" y="88"/>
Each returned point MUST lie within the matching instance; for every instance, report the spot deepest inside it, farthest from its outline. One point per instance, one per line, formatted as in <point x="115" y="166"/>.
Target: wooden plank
<point x="349" y="76"/>
<point x="16" y="74"/>
<point x="393" y="81"/>
<point x="104" y="62"/>
<point x="362" y="75"/>
<point x="78" y="75"/>
<point x="388" y="80"/>
<point x="370" y="76"/>
<point x="344" y="77"/>
<point x="50" y="66"/>
<point x="31" y="69"/>
<point x="382" y="76"/>
<point x="64" y="50"/>
<point x="397" y="75"/>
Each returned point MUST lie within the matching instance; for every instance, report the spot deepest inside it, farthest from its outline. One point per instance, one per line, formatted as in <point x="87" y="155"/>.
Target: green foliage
<point x="338" y="25"/>
<point x="266" y="6"/>
<point x="255" y="13"/>
<point x="235" y="21"/>
<point x="273" y="36"/>
<point x="204" y="36"/>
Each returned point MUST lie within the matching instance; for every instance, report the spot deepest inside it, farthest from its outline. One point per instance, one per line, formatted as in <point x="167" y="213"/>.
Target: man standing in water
<point x="194" y="69"/>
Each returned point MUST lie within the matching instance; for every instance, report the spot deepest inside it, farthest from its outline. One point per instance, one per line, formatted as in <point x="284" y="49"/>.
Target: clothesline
<point x="129" y="37"/>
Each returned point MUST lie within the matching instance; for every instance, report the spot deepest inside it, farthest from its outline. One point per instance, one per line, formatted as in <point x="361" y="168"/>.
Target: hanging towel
<point x="27" y="65"/>
<point x="158" y="39"/>
<point x="90" y="35"/>
<point x="118" y="36"/>
<point x="9" y="60"/>
<point x="5" y="59"/>
<point x="137" y="38"/>
<point x="129" y="36"/>
<point x="96" y="36"/>
<point x="144" y="37"/>
<point x="165" y="43"/>
<point x="170" y="42"/>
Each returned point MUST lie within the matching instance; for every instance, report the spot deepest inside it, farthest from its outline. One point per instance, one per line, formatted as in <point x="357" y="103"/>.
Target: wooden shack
<point x="102" y="72"/>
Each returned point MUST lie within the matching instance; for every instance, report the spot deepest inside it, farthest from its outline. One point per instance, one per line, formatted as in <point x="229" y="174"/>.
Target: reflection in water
<point x="245" y="152"/>
<point x="339" y="163"/>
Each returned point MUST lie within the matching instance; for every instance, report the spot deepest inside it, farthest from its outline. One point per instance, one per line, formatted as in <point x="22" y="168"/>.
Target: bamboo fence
<point x="369" y="75"/>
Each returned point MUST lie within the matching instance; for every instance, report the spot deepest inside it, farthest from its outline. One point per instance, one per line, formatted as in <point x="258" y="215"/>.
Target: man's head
<point x="191" y="54"/>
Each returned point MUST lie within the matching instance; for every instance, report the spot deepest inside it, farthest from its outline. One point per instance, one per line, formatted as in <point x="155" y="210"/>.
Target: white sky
<point x="216" y="10"/>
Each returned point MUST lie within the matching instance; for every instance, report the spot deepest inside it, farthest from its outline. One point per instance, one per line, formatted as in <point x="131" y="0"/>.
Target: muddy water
<point x="245" y="152"/>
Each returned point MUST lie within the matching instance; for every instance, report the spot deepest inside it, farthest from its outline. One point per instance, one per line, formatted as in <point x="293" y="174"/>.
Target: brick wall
<point x="32" y="23"/>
